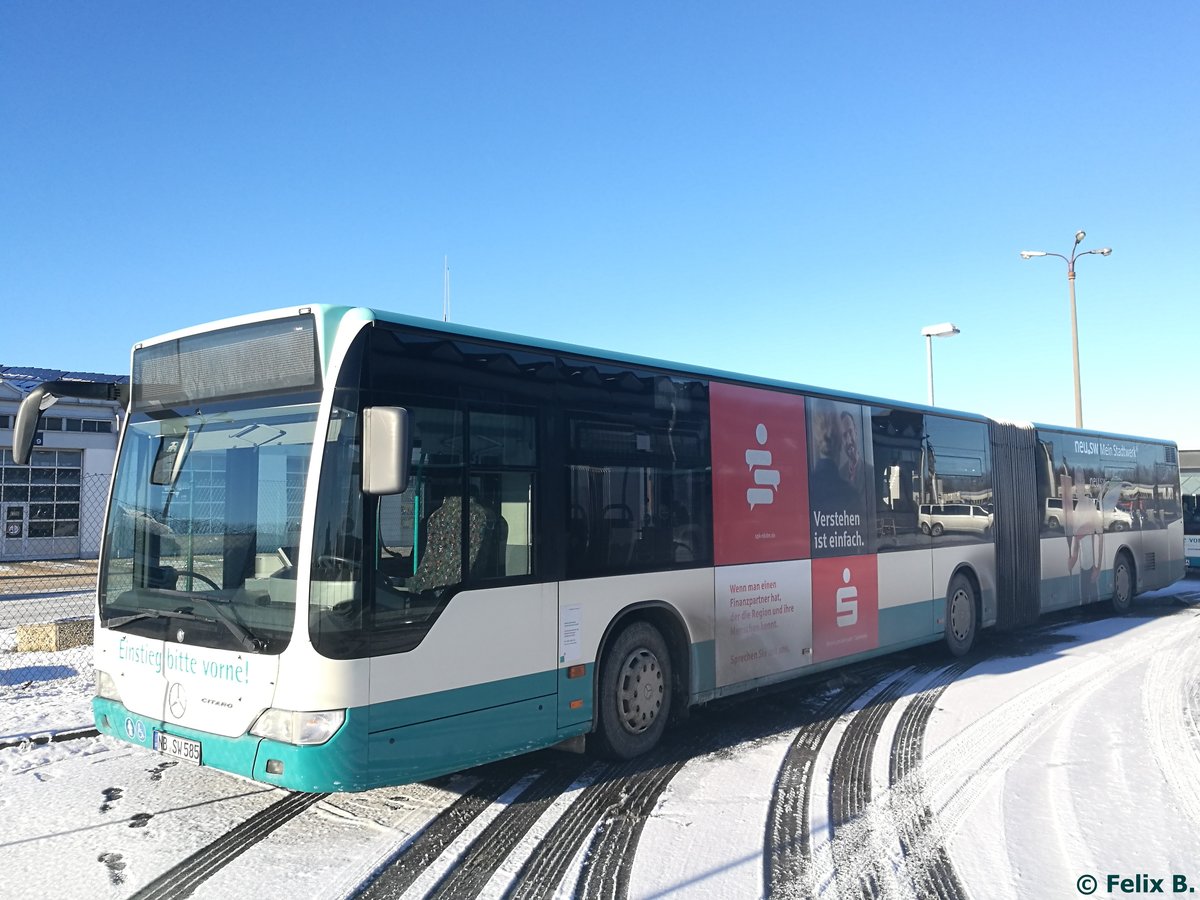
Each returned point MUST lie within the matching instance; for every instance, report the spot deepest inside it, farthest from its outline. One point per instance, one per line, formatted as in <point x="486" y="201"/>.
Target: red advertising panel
<point x="845" y="606"/>
<point x="760" y="475"/>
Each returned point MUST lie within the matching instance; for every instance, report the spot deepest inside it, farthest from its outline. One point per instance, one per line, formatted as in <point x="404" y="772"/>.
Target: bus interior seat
<point x="688" y="543"/>
<point x="616" y="539"/>
<point x="441" y="561"/>
<point x="488" y="558"/>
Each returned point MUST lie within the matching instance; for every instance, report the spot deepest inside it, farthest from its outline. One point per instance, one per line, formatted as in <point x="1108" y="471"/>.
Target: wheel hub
<point x="640" y="691"/>
<point x="1122" y="585"/>
<point x="960" y="615"/>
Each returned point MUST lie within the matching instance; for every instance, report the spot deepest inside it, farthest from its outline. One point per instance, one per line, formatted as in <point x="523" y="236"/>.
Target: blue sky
<point x="787" y="189"/>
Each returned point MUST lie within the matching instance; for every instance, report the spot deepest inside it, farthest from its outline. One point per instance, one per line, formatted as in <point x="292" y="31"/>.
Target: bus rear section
<point x="1114" y="515"/>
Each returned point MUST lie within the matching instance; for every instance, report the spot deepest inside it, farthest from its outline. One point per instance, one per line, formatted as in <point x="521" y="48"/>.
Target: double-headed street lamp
<point x="1070" y="260"/>
<point x="929" y="332"/>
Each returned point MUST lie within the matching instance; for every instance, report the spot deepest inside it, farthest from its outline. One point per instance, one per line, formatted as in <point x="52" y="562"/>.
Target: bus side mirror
<point x="25" y="427"/>
<point x="386" y="450"/>
<point x="169" y="458"/>
<point x="46" y="395"/>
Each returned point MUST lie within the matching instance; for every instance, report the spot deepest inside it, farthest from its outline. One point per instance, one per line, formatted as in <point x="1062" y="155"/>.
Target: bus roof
<point x="333" y="314"/>
<point x="485" y="334"/>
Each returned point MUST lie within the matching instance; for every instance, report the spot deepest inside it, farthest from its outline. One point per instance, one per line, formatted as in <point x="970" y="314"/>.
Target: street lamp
<point x="1070" y="261"/>
<point x="929" y="332"/>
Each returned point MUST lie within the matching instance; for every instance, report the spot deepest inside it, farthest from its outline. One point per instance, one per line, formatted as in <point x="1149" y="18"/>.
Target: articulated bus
<point x="348" y="549"/>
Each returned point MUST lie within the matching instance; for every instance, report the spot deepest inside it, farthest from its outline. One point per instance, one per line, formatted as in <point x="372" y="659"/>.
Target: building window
<point x="88" y="426"/>
<point x="50" y="487"/>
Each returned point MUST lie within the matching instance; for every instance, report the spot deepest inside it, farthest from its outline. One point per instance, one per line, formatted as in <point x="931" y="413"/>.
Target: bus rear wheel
<point x="962" y="622"/>
<point x="1122" y="598"/>
<point x="635" y="692"/>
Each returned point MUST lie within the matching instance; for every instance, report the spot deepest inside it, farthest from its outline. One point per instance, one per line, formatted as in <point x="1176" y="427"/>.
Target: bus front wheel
<point x="962" y="621"/>
<point x="635" y="692"/>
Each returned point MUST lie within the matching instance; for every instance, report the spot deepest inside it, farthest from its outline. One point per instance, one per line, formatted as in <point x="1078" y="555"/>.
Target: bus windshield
<point x="204" y="525"/>
<point x="1191" y="514"/>
<point x="1189" y="487"/>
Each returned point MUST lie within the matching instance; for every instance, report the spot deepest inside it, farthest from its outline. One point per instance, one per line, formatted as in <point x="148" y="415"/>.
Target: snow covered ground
<point x="1069" y="752"/>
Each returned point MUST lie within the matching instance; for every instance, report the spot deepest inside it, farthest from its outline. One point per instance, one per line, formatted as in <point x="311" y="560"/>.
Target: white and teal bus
<point x="347" y="548"/>
<point x="1189" y="482"/>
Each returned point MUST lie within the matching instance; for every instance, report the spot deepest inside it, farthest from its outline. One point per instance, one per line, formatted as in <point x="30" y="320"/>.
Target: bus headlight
<point x="291" y="727"/>
<point x="106" y="687"/>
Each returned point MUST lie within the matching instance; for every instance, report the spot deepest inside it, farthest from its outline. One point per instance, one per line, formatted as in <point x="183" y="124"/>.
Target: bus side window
<point x="502" y="464"/>
<point x="397" y="528"/>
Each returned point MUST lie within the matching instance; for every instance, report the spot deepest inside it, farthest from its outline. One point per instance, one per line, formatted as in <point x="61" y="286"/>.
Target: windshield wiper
<point x="244" y="637"/>
<point x="155" y="614"/>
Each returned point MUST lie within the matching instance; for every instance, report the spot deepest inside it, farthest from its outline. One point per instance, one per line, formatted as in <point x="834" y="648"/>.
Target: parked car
<point x="1115" y="519"/>
<point x="936" y="518"/>
<point x="1054" y="513"/>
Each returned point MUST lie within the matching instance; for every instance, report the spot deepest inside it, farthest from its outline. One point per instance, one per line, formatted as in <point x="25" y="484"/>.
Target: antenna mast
<point x="446" y="290"/>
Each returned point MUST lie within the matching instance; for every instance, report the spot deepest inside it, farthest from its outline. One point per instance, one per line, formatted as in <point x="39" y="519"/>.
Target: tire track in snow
<point x="504" y="878"/>
<point x="596" y="839"/>
<point x="607" y="867"/>
<point x="417" y="856"/>
<point x="990" y="744"/>
<point x="590" y="852"/>
<point x="926" y="869"/>
<point x="181" y="880"/>
<point x="794" y="855"/>
<point x="1169" y="699"/>
<point x="931" y="873"/>
<point x="476" y="867"/>
<point x="787" y="844"/>
<point x="860" y="841"/>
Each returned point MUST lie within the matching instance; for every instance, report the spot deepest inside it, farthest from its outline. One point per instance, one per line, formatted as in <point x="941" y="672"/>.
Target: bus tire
<point x="635" y="692"/>
<point x="962" y="617"/>
<point x="1123" y="580"/>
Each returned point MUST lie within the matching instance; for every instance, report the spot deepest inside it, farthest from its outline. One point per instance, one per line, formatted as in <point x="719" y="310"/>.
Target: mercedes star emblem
<point x="176" y="700"/>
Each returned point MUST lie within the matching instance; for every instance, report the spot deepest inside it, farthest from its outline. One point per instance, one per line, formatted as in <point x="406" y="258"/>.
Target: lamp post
<point x="1070" y="261"/>
<point x="929" y="332"/>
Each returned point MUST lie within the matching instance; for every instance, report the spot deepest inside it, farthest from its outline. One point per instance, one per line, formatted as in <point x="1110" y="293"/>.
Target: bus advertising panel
<point x="764" y="619"/>
<point x="845" y="603"/>
<point x="840" y="467"/>
<point x="760" y="488"/>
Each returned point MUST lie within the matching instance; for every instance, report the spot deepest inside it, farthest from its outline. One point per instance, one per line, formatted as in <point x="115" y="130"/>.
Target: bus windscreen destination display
<point x="249" y="360"/>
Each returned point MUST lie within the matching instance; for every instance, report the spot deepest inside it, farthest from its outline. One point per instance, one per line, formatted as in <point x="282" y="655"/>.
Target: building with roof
<point x="1189" y="462"/>
<point x="54" y="507"/>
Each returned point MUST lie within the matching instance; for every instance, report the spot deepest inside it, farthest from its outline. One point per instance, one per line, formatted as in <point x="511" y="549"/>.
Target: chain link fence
<point x="46" y="603"/>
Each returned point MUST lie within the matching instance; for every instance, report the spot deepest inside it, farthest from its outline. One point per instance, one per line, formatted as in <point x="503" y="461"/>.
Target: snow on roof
<point x="26" y="378"/>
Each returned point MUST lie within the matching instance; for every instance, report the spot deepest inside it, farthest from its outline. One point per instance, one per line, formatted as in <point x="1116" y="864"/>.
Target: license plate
<point x="178" y="747"/>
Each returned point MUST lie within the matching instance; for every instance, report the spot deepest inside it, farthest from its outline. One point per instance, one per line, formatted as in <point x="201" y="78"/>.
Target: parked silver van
<point x="936" y="518"/>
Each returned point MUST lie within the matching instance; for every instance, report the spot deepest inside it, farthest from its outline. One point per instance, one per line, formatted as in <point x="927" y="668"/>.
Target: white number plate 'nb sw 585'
<point x="178" y="747"/>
